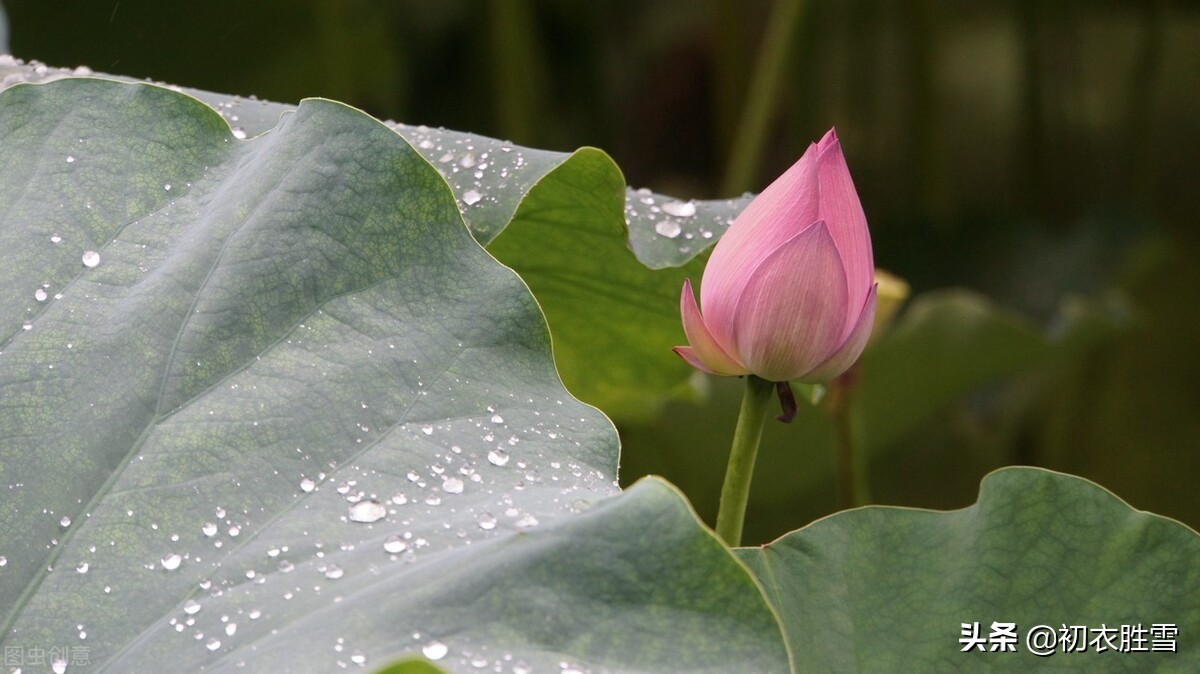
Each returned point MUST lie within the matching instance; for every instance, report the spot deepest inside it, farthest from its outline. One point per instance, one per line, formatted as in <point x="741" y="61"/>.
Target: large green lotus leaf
<point x="571" y="229"/>
<point x="883" y="589"/>
<point x="267" y="404"/>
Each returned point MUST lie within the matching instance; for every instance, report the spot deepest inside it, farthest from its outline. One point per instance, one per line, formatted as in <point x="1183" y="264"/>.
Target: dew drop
<point x="358" y="659"/>
<point x="307" y="485"/>
<point x="235" y="530"/>
<point x="230" y="629"/>
<point x="54" y="238"/>
<point x="65" y="521"/>
<point x="40" y="295"/>
<point x="471" y="197"/>
<point x="497" y="419"/>
<point x="91" y="258"/>
<point x="70" y="159"/>
<point x="333" y="572"/>
<point x="487" y="521"/>
<point x="3" y="560"/>
<point x="82" y="568"/>
<point x="498" y="457"/>
<point x="58" y="665"/>
<point x="167" y="187"/>
<point x="171" y="562"/>
<point x="680" y="209"/>
<point x="427" y="430"/>
<point x="399" y="499"/>
<point x="452" y="485"/>
<point x="395" y="544"/>
<point x="668" y="228"/>
<point x="285" y="566"/>
<point x="213" y="644"/>
<point x="191" y="607"/>
<point x="209" y="529"/>
<point x="435" y="650"/>
<point x="368" y="511"/>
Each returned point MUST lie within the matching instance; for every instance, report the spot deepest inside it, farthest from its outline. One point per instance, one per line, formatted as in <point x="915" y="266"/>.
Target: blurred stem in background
<point x="1141" y="98"/>
<point x="920" y="17"/>
<point x="1031" y="103"/>
<point x="3" y="31"/>
<point x="846" y="410"/>
<point x="749" y="139"/>
<point x="335" y="40"/>
<point x="730" y="65"/>
<point x="516" y="59"/>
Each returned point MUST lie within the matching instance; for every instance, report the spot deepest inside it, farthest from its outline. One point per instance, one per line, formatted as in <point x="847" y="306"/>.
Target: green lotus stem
<point x="736" y="490"/>
<point x="846" y="415"/>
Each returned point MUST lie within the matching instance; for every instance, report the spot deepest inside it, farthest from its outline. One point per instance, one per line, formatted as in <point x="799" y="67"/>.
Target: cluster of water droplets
<point x="665" y="230"/>
<point x="485" y="174"/>
<point x="16" y="71"/>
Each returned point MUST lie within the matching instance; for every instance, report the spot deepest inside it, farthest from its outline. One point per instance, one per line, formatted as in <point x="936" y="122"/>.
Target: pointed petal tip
<point x="829" y="139"/>
<point x="688" y="354"/>
<point x="705" y="353"/>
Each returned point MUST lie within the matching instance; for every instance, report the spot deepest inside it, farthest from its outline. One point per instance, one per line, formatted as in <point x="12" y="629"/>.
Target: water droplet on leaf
<point x="435" y="650"/>
<point x="680" y="209"/>
<point x="668" y="228"/>
<point x="367" y="510"/>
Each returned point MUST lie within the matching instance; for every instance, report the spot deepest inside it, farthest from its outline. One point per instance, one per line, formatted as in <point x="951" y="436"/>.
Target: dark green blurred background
<point x="1041" y="153"/>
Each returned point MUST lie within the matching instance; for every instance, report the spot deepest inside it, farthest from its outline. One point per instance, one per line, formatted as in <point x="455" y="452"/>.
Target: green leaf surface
<point x="295" y="418"/>
<point x="887" y="589"/>
<point x="412" y="666"/>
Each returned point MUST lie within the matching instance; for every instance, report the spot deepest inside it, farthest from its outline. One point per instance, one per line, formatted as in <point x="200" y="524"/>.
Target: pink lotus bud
<point x="789" y="291"/>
